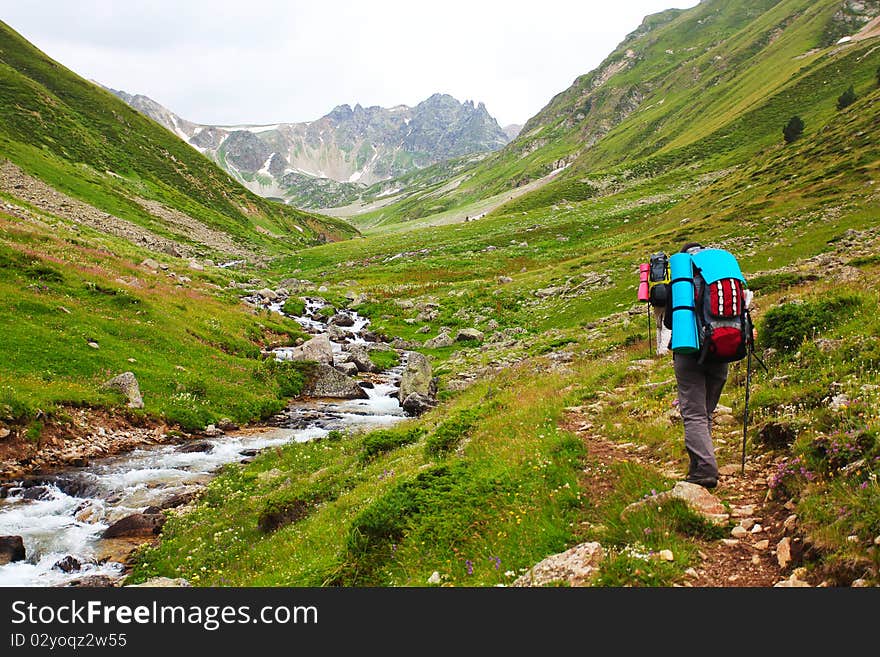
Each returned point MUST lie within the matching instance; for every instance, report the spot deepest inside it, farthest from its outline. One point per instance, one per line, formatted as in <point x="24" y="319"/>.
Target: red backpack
<point x="724" y="325"/>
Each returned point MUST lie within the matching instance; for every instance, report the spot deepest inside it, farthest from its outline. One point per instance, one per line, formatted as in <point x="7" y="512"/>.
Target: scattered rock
<point x="94" y="581"/>
<point x="699" y="499"/>
<point x="783" y="552"/>
<point x="666" y="555"/>
<point x="361" y="358"/>
<point x="161" y="582"/>
<point x="791" y="582"/>
<point x="739" y="532"/>
<point x="68" y="564"/>
<point x="762" y="545"/>
<point x="191" y="448"/>
<point x="318" y="349"/>
<point x="416" y="403"/>
<point x="442" y="340"/>
<point x="504" y="280"/>
<point x="791" y="523"/>
<point x="341" y="319"/>
<point x="417" y="377"/>
<point x="212" y="431"/>
<point x="11" y="549"/>
<point x="225" y="424"/>
<point x="179" y="499"/>
<point x="575" y="567"/>
<point x="149" y="263"/>
<point x="434" y="578"/>
<point x="325" y="381"/>
<point x="127" y="384"/>
<point x="729" y="470"/>
<point x="36" y="493"/>
<point x="137" y="524"/>
<point x="425" y="329"/>
<point x="469" y="334"/>
<point x="4" y="433"/>
<point x="348" y="368"/>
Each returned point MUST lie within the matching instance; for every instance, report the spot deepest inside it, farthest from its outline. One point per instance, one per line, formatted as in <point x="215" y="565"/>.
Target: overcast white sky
<point x="223" y="62"/>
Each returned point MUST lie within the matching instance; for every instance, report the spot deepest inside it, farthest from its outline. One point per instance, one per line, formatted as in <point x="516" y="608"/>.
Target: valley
<point x="544" y="429"/>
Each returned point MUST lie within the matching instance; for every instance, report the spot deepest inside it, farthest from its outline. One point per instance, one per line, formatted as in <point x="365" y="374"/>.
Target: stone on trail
<point x="575" y="567"/>
<point x="127" y="384"/>
<point x="700" y="500"/>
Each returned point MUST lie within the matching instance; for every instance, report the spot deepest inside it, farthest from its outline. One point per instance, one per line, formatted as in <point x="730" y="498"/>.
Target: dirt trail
<point x="749" y="561"/>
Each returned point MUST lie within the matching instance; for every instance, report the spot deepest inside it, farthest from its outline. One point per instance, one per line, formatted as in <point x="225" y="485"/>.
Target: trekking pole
<point x="751" y="352"/>
<point x="746" y="411"/>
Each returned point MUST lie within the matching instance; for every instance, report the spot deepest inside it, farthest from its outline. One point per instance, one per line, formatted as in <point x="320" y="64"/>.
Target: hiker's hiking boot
<point x="704" y="482"/>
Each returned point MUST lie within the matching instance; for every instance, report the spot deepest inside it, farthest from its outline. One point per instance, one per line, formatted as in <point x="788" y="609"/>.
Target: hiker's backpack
<point x="658" y="280"/>
<point x="724" y="326"/>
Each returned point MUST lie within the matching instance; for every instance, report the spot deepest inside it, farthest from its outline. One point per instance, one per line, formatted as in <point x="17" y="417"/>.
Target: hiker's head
<point x="690" y="247"/>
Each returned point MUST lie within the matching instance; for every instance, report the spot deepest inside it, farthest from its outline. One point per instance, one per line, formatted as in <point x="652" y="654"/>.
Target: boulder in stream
<point x="11" y="549"/>
<point x="417" y="377"/>
<point x="68" y="564"/>
<point x="325" y="381"/>
<point x="416" y="403"/>
<point x="200" y="446"/>
<point x="318" y="349"/>
<point x="137" y="524"/>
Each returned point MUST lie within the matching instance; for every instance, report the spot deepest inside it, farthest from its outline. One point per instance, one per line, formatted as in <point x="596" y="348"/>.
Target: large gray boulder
<point x="326" y="381"/>
<point x="361" y="358"/>
<point x="417" y="377"/>
<point x="574" y="567"/>
<point x="442" y="340"/>
<point x="469" y="334"/>
<point x="127" y="384"/>
<point x="11" y="549"/>
<point x="416" y="403"/>
<point x="318" y="349"/>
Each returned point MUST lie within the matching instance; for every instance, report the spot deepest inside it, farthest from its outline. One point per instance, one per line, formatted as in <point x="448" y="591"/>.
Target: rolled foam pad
<point x="684" y="320"/>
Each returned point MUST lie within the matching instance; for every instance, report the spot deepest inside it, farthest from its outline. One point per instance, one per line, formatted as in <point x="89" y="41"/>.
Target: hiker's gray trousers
<point x="699" y="389"/>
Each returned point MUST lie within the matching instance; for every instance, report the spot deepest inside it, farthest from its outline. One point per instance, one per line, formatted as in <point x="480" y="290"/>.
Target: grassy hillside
<point x="85" y="142"/>
<point x="701" y="89"/>
<point x="111" y="232"/>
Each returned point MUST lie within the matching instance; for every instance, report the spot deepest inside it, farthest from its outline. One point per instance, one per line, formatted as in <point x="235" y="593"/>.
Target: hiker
<point x="700" y="381"/>
<point x="664" y="335"/>
<point x="654" y="288"/>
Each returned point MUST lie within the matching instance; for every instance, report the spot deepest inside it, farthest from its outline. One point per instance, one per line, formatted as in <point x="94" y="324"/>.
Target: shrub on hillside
<point x="384" y="440"/>
<point x="785" y="327"/>
<point x="793" y="129"/>
<point x="847" y="98"/>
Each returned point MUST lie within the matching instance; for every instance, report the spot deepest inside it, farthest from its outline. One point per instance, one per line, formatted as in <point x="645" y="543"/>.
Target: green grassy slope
<point x="701" y="88"/>
<point x="87" y="143"/>
<point x="66" y="282"/>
